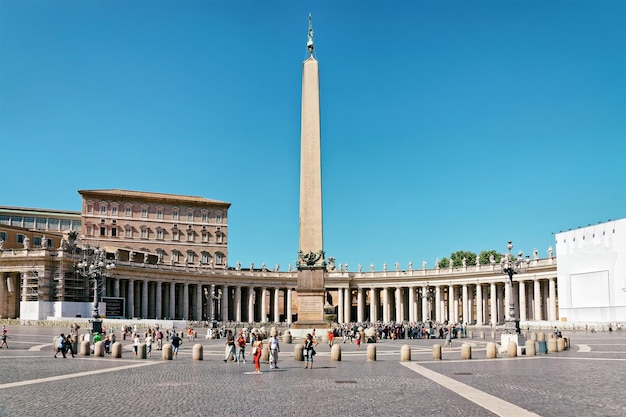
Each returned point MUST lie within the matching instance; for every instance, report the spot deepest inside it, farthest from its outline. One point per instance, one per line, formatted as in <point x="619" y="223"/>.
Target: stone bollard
<point x="493" y="335"/>
<point x="466" y="351"/>
<point x="405" y="353"/>
<point x="533" y="336"/>
<point x="482" y="335"/>
<point x="287" y="337"/>
<point x="436" y="352"/>
<point x="560" y="344"/>
<point x="459" y="334"/>
<point x="198" y="352"/>
<point x="511" y="349"/>
<point x="265" y="353"/>
<point x="116" y="350"/>
<point x="335" y="353"/>
<point x="85" y="348"/>
<point x="98" y="349"/>
<point x="371" y="353"/>
<point x="167" y="352"/>
<point x="530" y="348"/>
<point x="541" y="337"/>
<point x="54" y="343"/>
<point x="471" y="335"/>
<point x="491" y="350"/>
<point x="552" y="346"/>
<point x="298" y="354"/>
<point x="141" y="351"/>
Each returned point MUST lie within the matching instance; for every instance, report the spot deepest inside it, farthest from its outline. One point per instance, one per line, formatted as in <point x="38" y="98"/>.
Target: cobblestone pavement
<point x="587" y="380"/>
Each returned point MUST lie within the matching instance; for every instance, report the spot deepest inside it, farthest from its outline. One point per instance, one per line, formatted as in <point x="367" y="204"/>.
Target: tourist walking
<point x="274" y="349"/>
<point x="357" y="338"/>
<point x="136" y="342"/>
<point x="230" y="345"/>
<point x="257" y="347"/>
<point x="60" y="345"/>
<point x="241" y="348"/>
<point x="4" y="338"/>
<point x="309" y="350"/>
<point x="149" y="344"/>
<point x="176" y="342"/>
<point x="69" y="345"/>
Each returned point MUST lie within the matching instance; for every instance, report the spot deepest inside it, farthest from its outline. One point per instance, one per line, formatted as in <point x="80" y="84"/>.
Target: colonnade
<point x="472" y="303"/>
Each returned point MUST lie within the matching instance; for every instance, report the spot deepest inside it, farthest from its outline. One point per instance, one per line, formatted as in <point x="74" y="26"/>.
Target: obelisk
<point x="311" y="263"/>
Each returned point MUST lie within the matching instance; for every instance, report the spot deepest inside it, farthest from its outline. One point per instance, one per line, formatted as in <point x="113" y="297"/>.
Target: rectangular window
<point x="36" y="241"/>
<point x="160" y="234"/>
<point x="144" y="233"/>
<point x="5" y="220"/>
<point x="128" y="232"/>
<point x="205" y="237"/>
<point x="114" y="211"/>
<point x="175" y="257"/>
<point x="103" y="231"/>
<point x="159" y="214"/>
<point x="41" y="223"/>
<point x="103" y="210"/>
<point x="66" y="224"/>
<point x="144" y="213"/>
<point x="175" y="235"/>
<point x="89" y="209"/>
<point x="129" y="212"/>
<point x="218" y="258"/>
<point x="4" y="236"/>
<point x="29" y="222"/>
<point x="205" y="258"/>
<point x="190" y="237"/>
<point x="89" y="230"/>
<point x="53" y="224"/>
<point x="19" y="238"/>
<point x="218" y="218"/>
<point x="175" y="215"/>
<point x="205" y="217"/>
<point x="190" y="216"/>
<point x="16" y="221"/>
<point x="76" y="225"/>
<point x="218" y="238"/>
<point x="190" y="257"/>
<point x="114" y="232"/>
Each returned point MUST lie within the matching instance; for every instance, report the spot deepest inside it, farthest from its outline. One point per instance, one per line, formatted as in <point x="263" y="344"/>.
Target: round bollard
<point x="541" y="337"/>
<point x="491" y="350"/>
<point x="298" y="354"/>
<point x="116" y="350"/>
<point x="560" y="344"/>
<point x="167" y="352"/>
<point x="98" y="348"/>
<point x="470" y="335"/>
<point x="436" y="352"/>
<point x="482" y="335"/>
<point x="54" y="343"/>
<point x="459" y="334"/>
<point x="466" y="351"/>
<point x="530" y="348"/>
<point x="85" y="348"/>
<point x="405" y="353"/>
<point x="335" y="353"/>
<point x="511" y="349"/>
<point x="265" y="353"/>
<point x="552" y="347"/>
<point x="198" y="352"/>
<point x="287" y="338"/>
<point x="371" y="353"/>
<point x="141" y="351"/>
<point x="533" y="336"/>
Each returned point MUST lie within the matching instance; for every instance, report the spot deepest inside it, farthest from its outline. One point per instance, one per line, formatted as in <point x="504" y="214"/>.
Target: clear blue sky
<point x="446" y="125"/>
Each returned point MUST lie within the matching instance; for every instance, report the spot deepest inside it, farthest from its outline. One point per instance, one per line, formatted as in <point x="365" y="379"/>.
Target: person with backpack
<point x="69" y="345"/>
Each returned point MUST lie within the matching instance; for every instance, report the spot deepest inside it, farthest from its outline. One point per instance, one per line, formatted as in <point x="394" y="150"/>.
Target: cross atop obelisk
<point x="311" y="263"/>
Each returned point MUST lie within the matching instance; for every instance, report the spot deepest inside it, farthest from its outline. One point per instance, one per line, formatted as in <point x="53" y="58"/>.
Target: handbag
<point x="254" y="350"/>
<point x="313" y="352"/>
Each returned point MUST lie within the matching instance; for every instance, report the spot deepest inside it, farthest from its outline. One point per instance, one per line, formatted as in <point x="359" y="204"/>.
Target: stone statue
<point x="145" y="258"/>
<point x="492" y="259"/>
<point x="26" y="243"/>
<point x="371" y="267"/>
<point x="437" y="263"/>
<point x="1" y="245"/>
<point x="44" y="242"/>
<point x="345" y="267"/>
<point x="277" y="267"/>
<point x="550" y="252"/>
<point x="360" y="268"/>
<point x="238" y="266"/>
<point x="423" y="264"/>
<point x="263" y="267"/>
<point x="463" y="262"/>
<point x="410" y="265"/>
<point x="309" y="43"/>
<point x="290" y="268"/>
<point x="397" y="265"/>
<point x="477" y="260"/>
<point x="340" y="267"/>
<point x="385" y="267"/>
<point x="535" y="254"/>
<point x="251" y="266"/>
<point x="331" y="264"/>
<point x="117" y="255"/>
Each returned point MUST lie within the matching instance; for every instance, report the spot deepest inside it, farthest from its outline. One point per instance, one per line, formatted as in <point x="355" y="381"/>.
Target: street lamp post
<point x="214" y="299"/>
<point x="95" y="267"/>
<point x="428" y="293"/>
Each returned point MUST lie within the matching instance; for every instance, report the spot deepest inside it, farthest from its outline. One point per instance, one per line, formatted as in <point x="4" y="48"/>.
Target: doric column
<point x="438" y="307"/>
<point x="412" y="304"/>
<point x="199" y="303"/>
<point x="493" y="306"/>
<point x="276" y="305"/>
<point x="552" y="295"/>
<point x="360" y="305"/>
<point x="385" y="294"/>
<point x="347" y="306"/>
<point x="373" y="305"/>
<point x="479" y="304"/>
<point x="537" y="299"/>
<point x="466" y="315"/>
<point x="522" y="300"/>
<point x="289" y="313"/>
<point x="238" y="303"/>
<point x="451" y="302"/>
<point x="131" y="298"/>
<point x="340" y="305"/>
<point x="225" y="302"/>
<point x="116" y="287"/>
<point x="172" y="312"/>
<point x="159" y="300"/>
<point x="3" y="294"/>
<point x="185" y="301"/>
<point x="398" y="294"/>
<point x="144" y="298"/>
<point x="251" y="300"/>
<point x="263" y="305"/>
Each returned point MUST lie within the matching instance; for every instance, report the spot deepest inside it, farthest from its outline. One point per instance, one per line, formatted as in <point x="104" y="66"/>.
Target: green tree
<point x="457" y="258"/>
<point x="484" y="256"/>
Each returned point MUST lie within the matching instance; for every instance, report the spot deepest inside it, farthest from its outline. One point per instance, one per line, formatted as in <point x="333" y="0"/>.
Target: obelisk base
<point x="311" y="294"/>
